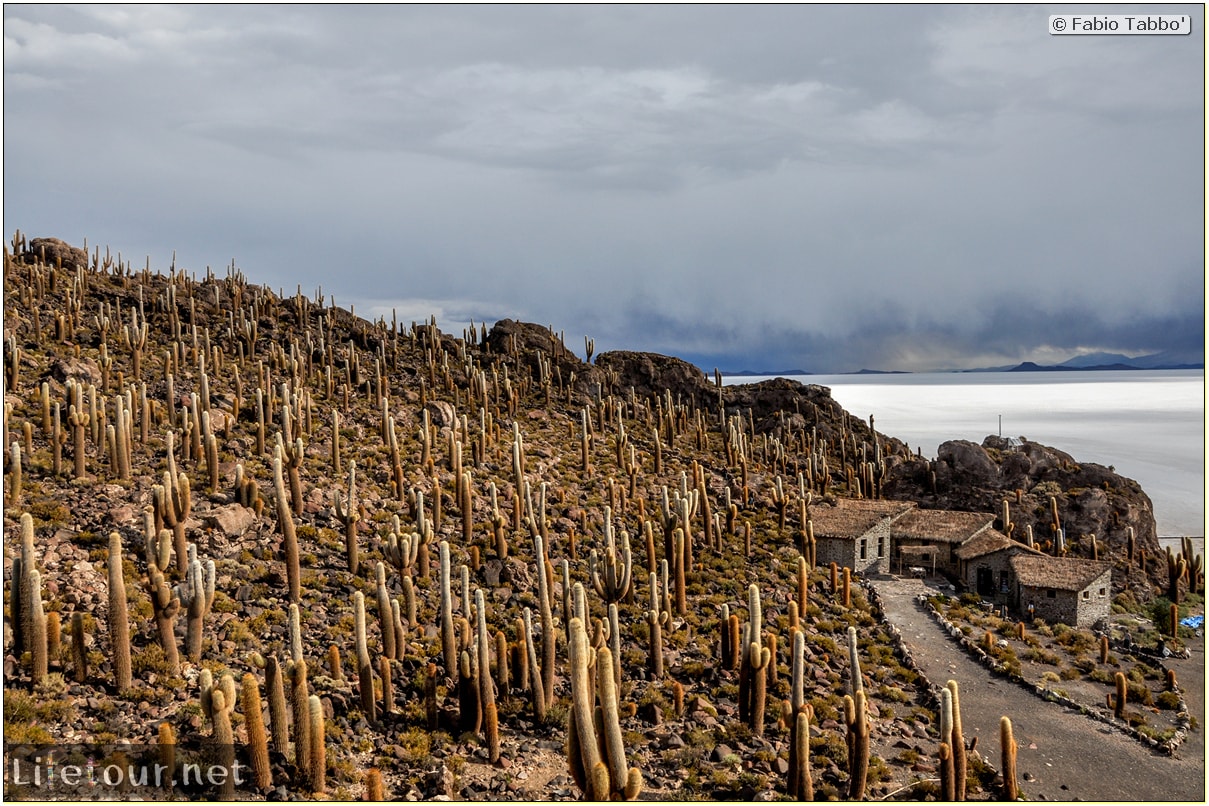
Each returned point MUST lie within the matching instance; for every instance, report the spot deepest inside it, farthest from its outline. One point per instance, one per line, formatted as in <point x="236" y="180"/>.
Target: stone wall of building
<point x="1076" y="608"/>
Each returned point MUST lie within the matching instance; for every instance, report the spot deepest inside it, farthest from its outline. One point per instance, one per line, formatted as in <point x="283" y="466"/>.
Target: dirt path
<point x="1062" y="754"/>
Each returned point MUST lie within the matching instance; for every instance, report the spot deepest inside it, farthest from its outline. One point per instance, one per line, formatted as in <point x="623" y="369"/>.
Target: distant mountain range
<point x="1168" y="359"/>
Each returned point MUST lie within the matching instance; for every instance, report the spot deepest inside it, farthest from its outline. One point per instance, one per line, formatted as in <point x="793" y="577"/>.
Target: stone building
<point x="929" y="538"/>
<point x="984" y="565"/>
<point x="855" y="532"/>
<point x="1063" y="590"/>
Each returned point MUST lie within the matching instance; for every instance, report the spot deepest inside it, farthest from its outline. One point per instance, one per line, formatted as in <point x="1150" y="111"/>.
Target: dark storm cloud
<point x="772" y="186"/>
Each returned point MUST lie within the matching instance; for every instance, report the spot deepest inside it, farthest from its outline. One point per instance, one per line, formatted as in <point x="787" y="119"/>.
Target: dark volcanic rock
<point x="651" y="374"/>
<point x="526" y="340"/>
<point x="968" y="462"/>
<point x="52" y="250"/>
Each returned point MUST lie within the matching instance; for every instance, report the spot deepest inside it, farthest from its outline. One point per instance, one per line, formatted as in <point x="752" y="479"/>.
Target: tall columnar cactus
<point x="448" y="637"/>
<point x="854" y="663"/>
<point x="655" y="622"/>
<point x="119" y="620"/>
<point x="800" y="784"/>
<point x="502" y="665"/>
<point x="948" y="788"/>
<point x="173" y="504"/>
<point x="724" y="641"/>
<point x="753" y="678"/>
<point x="546" y="613"/>
<point x="385" y="613"/>
<point x="296" y="672"/>
<point x="958" y="744"/>
<point x="374" y="790"/>
<point x="585" y="443"/>
<point x="22" y="586"/>
<point x="607" y="776"/>
<point x="624" y="781"/>
<point x="856" y="716"/>
<point x="945" y="754"/>
<point x="1007" y="759"/>
<point x="679" y="561"/>
<point x="258" y="746"/>
<point x="1122" y="695"/>
<point x="317" y="760"/>
<point x="14" y="485"/>
<point x="1176" y="566"/>
<point x="486" y="688"/>
<point x="278" y="721"/>
<point x="223" y="703"/>
<point x="348" y="514"/>
<point x="54" y="638"/>
<point x="612" y="578"/>
<point x="285" y="525"/>
<point x="803" y="585"/>
<point x="80" y="421"/>
<point x="803" y="779"/>
<point x="196" y="595"/>
<point x="37" y="639"/>
<point x="165" y="605"/>
<point x="365" y="669"/>
<point x="537" y="689"/>
<point x="470" y="712"/>
<point x="583" y="750"/>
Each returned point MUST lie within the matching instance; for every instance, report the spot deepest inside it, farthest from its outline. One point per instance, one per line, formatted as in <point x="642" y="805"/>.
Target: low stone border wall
<point x="1169" y="746"/>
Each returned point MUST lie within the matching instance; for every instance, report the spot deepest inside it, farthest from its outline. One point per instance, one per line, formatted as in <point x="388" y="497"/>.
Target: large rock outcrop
<point x="52" y="250"/>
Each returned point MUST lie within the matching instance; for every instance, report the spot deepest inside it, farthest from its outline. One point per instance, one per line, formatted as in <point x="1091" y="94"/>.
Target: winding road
<point x="1063" y="755"/>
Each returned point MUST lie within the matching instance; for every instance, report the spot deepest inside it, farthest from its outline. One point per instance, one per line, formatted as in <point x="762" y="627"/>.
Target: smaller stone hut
<point x="984" y="565"/>
<point x="1065" y="590"/>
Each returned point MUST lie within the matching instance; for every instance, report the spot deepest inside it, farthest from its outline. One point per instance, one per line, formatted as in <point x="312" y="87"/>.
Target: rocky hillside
<point x="209" y="487"/>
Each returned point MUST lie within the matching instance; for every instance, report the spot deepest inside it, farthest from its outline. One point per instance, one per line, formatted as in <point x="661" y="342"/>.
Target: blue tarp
<point x="1194" y="622"/>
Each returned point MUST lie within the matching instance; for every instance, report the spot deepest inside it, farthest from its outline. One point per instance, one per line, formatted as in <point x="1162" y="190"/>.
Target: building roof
<point x="989" y="541"/>
<point x="851" y="518"/>
<point x="940" y="525"/>
<point x="1062" y="573"/>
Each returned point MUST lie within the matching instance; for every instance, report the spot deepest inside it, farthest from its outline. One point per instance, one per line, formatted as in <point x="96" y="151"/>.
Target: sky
<point x="826" y="188"/>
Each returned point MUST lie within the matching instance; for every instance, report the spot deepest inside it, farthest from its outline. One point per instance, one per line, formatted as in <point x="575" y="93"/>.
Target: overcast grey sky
<point x="771" y="187"/>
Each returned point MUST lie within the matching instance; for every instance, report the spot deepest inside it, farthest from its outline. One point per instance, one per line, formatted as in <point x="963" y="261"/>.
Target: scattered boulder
<point x="232" y="520"/>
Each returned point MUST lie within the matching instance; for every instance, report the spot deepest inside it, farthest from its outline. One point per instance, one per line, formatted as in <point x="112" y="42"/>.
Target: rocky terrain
<point x="389" y="524"/>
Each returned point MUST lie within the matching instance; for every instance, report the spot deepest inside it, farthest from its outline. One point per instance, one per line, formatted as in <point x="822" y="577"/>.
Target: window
<point x="1086" y="595"/>
<point x="1102" y="592"/>
<point x="862" y="545"/>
